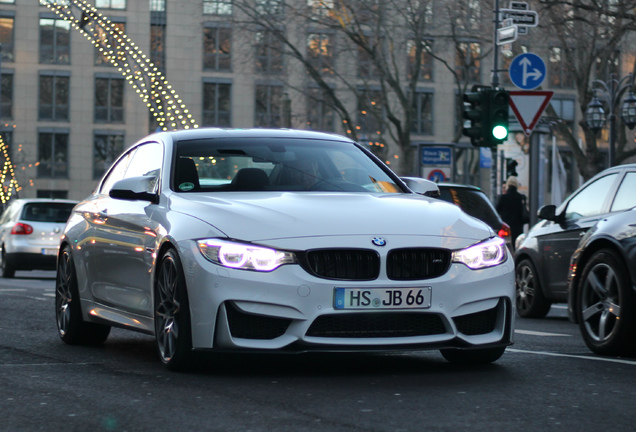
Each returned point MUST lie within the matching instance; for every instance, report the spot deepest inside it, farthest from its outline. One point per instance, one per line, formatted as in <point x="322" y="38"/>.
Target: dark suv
<point x="542" y="260"/>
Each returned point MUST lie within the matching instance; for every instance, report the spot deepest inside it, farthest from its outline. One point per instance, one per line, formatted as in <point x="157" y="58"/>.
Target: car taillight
<point x="504" y="231"/>
<point x="22" y="229"/>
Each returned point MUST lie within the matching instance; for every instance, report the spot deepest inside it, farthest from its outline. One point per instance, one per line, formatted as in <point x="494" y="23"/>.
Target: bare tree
<point x="594" y="35"/>
<point x="383" y="47"/>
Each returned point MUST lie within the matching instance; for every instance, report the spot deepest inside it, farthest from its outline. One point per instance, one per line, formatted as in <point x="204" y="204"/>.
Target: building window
<point x="366" y="65"/>
<point x="468" y="62"/>
<point x="425" y="60"/>
<point x="6" y="37"/>
<point x="158" y="45"/>
<point x="270" y="7"/>
<point x="217" y="44"/>
<point x="55" y="43"/>
<point x="370" y="115"/>
<point x="320" y="113"/>
<point x="109" y="100"/>
<point x="6" y="101"/>
<point x="53" y="154"/>
<point x="565" y="109"/>
<point x="268" y="101"/>
<point x="269" y="53"/>
<point x="611" y="66"/>
<point x="320" y="48"/>
<point x="101" y="57"/>
<point x="107" y="146"/>
<point x="217" y="7"/>
<point x="422" y="113"/>
<point x="110" y="4"/>
<point x="54" y="96"/>
<point x="157" y="5"/>
<point x="559" y="70"/>
<point x="468" y="16"/>
<point x="217" y="104"/>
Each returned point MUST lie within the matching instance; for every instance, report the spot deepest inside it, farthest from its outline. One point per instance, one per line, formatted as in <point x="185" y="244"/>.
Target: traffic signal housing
<point x="475" y="112"/>
<point x="486" y="110"/>
<point x="498" y="122"/>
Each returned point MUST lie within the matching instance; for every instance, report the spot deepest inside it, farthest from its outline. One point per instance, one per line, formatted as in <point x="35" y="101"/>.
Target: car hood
<point x="280" y="215"/>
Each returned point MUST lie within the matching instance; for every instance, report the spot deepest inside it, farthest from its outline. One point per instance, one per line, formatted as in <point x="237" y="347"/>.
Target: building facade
<point x="67" y="113"/>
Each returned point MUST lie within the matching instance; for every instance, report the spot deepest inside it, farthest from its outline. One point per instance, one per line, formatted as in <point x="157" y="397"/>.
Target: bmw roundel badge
<point x="378" y="241"/>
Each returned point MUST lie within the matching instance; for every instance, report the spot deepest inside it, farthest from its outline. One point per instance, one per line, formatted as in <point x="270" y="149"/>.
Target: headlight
<point x="489" y="253"/>
<point x="244" y="256"/>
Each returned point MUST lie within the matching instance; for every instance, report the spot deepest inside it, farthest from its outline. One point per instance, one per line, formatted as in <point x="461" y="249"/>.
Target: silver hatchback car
<point x="30" y="232"/>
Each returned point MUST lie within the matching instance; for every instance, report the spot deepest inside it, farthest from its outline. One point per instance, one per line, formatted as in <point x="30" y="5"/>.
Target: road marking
<point x="545" y="353"/>
<point x="12" y="290"/>
<point x="536" y="333"/>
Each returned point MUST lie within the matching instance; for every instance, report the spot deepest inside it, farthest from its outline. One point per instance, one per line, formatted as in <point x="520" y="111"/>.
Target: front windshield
<point x="276" y="164"/>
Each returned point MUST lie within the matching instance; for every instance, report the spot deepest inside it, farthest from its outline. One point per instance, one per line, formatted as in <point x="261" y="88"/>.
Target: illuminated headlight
<point x="489" y="253"/>
<point x="244" y="256"/>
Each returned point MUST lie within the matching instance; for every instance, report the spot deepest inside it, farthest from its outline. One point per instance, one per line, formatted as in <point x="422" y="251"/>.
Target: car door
<point x="123" y="252"/>
<point x="559" y="242"/>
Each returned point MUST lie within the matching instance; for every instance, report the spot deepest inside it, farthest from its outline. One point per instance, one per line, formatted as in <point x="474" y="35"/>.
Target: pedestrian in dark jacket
<point x="512" y="208"/>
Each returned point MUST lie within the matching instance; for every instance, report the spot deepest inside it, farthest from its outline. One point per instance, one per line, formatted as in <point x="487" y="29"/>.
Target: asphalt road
<point x="547" y="381"/>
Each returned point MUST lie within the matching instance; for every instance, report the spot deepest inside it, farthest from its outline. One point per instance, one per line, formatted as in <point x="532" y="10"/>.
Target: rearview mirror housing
<point x="422" y="186"/>
<point x="135" y="189"/>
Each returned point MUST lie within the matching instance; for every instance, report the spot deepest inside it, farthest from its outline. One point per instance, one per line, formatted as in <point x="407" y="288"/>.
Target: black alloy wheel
<point x="72" y="329"/>
<point x="605" y="305"/>
<point x="530" y="301"/>
<point x="172" y="314"/>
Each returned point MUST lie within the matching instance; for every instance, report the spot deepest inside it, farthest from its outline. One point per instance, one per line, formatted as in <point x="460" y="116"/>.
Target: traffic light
<point x="498" y="119"/>
<point x="476" y="104"/>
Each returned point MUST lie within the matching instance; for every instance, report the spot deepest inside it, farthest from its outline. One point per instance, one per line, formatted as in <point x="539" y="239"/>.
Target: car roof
<point x="42" y="200"/>
<point x="457" y="185"/>
<point x="203" y="133"/>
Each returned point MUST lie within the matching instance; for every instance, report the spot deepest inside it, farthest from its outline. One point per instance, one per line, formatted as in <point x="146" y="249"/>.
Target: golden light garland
<point x="137" y="69"/>
<point x="6" y="191"/>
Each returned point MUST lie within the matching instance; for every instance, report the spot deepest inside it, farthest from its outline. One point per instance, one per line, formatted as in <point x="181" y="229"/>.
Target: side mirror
<point x="548" y="212"/>
<point x="135" y="189"/>
<point x="422" y="186"/>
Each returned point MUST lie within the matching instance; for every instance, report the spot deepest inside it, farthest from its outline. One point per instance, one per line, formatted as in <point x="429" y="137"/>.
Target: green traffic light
<point x="499" y="132"/>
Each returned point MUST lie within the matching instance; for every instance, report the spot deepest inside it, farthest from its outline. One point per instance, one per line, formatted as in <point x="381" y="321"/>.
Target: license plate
<point x="46" y="251"/>
<point x="382" y="298"/>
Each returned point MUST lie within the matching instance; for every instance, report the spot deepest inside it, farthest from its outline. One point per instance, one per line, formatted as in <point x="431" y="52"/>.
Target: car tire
<point x="530" y="301"/>
<point x="72" y="328"/>
<point x="604" y="305"/>
<point x="172" y="314"/>
<point x="8" y="270"/>
<point x="472" y="356"/>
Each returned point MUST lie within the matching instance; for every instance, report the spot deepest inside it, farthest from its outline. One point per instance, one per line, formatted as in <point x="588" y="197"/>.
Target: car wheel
<point x="72" y="328"/>
<point x="530" y="301"/>
<point x="473" y="356"/>
<point x="172" y="313"/>
<point x="8" y="271"/>
<point x="604" y="305"/>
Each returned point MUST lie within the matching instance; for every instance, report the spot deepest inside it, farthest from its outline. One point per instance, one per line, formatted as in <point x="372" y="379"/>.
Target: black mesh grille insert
<point x="477" y="323"/>
<point x="417" y="263"/>
<point x="343" y="264"/>
<point x="376" y="325"/>
<point x="248" y="326"/>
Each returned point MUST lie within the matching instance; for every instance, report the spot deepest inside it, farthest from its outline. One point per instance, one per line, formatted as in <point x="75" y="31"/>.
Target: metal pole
<point x="495" y="83"/>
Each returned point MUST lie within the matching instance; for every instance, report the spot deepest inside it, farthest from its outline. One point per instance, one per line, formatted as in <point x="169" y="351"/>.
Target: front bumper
<point x="290" y="310"/>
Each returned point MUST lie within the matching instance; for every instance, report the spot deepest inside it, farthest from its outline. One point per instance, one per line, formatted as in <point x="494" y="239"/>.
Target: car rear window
<point x="473" y="202"/>
<point x="47" y="212"/>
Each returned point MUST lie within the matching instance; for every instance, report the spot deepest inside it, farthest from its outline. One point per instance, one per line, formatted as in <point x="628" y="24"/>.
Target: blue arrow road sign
<point x="527" y="71"/>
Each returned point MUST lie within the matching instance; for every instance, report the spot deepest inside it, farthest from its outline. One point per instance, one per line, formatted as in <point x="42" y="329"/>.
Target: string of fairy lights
<point x="145" y="78"/>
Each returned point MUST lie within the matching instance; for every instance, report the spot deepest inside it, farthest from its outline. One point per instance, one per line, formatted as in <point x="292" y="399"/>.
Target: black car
<point x="472" y="200"/>
<point x="542" y="260"/>
<point x="601" y="296"/>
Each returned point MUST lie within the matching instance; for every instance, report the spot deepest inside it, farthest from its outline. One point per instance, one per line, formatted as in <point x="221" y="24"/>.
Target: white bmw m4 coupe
<point x="278" y="241"/>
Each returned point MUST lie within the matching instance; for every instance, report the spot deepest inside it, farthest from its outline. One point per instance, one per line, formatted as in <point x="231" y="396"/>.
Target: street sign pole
<point x="495" y="84"/>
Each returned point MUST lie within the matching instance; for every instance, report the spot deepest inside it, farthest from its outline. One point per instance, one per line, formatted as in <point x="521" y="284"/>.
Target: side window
<point x="589" y="201"/>
<point x="147" y="162"/>
<point x="116" y="173"/>
<point x="7" y="215"/>
<point x="625" y="197"/>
